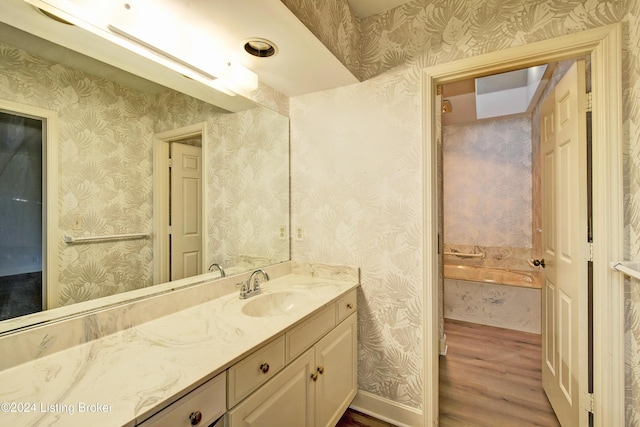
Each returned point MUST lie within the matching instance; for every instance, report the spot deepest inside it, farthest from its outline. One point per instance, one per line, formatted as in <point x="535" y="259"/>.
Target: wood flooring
<point x="353" y="418"/>
<point x="490" y="377"/>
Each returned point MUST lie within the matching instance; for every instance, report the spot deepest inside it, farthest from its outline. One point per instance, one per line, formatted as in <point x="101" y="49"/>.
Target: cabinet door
<point x="336" y="364"/>
<point x="286" y="400"/>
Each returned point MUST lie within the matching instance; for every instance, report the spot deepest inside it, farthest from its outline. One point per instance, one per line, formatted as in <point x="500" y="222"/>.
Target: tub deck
<point x="523" y="279"/>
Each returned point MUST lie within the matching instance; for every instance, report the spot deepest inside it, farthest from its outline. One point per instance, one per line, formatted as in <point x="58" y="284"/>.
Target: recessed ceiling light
<point x="261" y="48"/>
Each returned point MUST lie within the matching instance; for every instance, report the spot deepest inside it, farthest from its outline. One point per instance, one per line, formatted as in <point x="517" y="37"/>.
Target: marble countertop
<point x="125" y="377"/>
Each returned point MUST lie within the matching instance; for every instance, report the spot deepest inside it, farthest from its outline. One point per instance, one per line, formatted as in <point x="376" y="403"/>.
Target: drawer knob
<point x="321" y="370"/>
<point x="314" y="376"/>
<point x="264" y="368"/>
<point x="195" y="418"/>
<point x="349" y="306"/>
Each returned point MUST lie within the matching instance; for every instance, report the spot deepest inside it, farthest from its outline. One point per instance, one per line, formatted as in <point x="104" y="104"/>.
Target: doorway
<point x="603" y="46"/>
<point x="490" y="224"/>
<point x="500" y="211"/>
<point x="180" y="243"/>
<point x="31" y="135"/>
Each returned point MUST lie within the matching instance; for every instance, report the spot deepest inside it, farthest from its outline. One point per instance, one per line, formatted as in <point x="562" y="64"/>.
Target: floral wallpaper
<point x="356" y="192"/>
<point x="106" y="166"/>
<point x="487" y="182"/>
<point x="104" y="171"/>
<point x="250" y="179"/>
<point x="356" y="165"/>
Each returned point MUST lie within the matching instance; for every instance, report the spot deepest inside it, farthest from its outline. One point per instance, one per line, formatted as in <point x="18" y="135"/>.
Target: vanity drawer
<point x="306" y="334"/>
<point x="206" y="402"/>
<point x="252" y="371"/>
<point x="347" y="304"/>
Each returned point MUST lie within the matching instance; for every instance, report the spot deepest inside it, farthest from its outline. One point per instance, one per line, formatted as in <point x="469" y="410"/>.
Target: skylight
<point x="507" y="93"/>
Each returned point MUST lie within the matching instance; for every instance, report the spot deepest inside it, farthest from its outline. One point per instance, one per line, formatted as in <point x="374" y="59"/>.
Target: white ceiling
<point x="302" y="65"/>
<point x="364" y="8"/>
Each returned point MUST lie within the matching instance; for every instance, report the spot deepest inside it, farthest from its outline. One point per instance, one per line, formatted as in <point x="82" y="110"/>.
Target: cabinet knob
<point x="321" y="369"/>
<point x="264" y="368"/>
<point x="314" y="376"/>
<point x="195" y="418"/>
<point x="349" y="306"/>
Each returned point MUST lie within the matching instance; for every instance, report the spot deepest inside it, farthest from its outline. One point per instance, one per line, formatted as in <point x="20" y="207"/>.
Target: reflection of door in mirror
<point x="186" y="209"/>
<point x="21" y="215"/>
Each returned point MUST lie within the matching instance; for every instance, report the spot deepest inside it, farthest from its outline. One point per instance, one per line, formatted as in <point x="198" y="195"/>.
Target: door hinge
<point x="170" y="162"/>
<point x="589" y="101"/>
<point x="592" y="404"/>
<point x="170" y="230"/>
<point x="590" y="251"/>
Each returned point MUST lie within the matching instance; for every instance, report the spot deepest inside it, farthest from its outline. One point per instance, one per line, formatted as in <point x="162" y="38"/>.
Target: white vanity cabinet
<point x="201" y="407"/>
<point x="318" y="382"/>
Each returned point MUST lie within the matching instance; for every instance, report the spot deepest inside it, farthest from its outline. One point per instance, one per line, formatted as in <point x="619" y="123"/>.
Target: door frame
<point x="161" y="193"/>
<point x="603" y="44"/>
<point x="50" y="224"/>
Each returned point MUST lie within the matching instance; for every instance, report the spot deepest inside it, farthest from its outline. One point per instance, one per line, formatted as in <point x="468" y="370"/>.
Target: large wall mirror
<point x="113" y="131"/>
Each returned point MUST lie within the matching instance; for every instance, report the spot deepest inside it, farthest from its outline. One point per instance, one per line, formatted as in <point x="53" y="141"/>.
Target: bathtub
<point x="501" y="276"/>
<point x="493" y="296"/>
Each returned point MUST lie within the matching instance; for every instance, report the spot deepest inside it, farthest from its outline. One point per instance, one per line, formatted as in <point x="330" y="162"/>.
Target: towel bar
<point x="89" y="239"/>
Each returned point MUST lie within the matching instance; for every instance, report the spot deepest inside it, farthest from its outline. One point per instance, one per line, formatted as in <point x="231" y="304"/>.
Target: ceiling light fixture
<point x="133" y="29"/>
<point x="262" y="48"/>
<point x="177" y="64"/>
<point x="54" y="17"/>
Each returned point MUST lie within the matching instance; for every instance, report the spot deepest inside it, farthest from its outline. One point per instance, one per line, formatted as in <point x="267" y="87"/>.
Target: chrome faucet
<point x="215" y="265"/>
<point x="252" y="287"/>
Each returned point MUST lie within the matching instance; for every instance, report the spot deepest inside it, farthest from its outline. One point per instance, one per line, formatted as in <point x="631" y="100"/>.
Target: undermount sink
<point x="276" y="303"/>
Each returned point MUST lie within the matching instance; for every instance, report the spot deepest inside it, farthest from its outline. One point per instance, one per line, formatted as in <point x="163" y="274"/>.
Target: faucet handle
<point x="243" y="289"/>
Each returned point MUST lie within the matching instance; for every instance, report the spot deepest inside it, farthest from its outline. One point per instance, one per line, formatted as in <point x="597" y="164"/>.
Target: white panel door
<point x="565" y="247"/>
<point x="186" y="211"/>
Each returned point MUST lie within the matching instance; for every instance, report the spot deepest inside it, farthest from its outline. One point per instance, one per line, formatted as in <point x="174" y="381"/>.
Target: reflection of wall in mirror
<point x="105" y="172"/>
<point x="248" y="181"/>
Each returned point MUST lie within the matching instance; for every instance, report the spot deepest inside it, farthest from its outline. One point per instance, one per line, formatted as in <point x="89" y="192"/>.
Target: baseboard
<point x="387" y="410"/>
